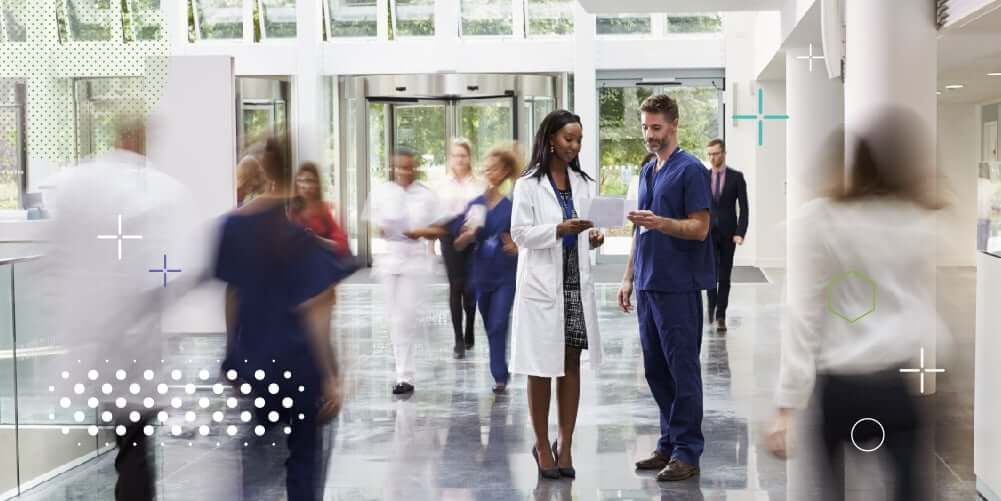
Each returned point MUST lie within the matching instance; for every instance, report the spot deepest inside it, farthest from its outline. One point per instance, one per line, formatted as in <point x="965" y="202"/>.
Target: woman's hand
<point x="777" y="438"/>
<point x="510" y="248"/>
<point x="597" y="238"/>
<point x="465" y="238"/>
<point x="572" y="227"/>
<point x="332" y="399"/>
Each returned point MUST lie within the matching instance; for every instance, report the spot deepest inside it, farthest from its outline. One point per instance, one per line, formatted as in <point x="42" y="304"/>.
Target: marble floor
<point x="455" y="440"/>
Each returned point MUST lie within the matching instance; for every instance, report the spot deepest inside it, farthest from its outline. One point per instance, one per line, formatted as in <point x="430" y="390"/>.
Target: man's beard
<point x="654" y="147"/>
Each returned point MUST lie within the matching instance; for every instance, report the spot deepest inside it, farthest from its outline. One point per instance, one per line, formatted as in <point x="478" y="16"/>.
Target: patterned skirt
<point x="573" y="308"/>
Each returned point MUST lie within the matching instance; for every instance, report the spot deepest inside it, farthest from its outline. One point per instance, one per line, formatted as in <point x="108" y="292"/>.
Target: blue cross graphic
<point x="165" y="270"/>
<point x="761" y="117"/>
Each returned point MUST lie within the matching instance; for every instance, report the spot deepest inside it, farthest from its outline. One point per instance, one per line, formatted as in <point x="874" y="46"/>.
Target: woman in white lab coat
<point x="555" y="316"/>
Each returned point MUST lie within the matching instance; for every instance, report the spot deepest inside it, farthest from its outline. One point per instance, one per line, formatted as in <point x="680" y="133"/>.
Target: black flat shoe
<point x="553" y="474"/>
<point x="459" y="352"/>
<point x="403" y="389"/>
<point x="564" y="472"/>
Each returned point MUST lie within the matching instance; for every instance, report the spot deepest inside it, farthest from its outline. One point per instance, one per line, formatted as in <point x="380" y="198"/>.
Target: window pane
<point x="14" y="14"/>
<point x="147" y="20"/>
<point x="698" y="114"/>
<point x="415" y="18"/>
<point x="486" y="124"/>
<point x="11" y="170"/>
<point x="220" y="19"/>
<point x="90" y="20"/>
<point x="486" y="17"/>
<point x="620" y="138"/>
<point x="421" y="127"/>
<point x="623" y="24"/>
<point x="279" y="18"/>
<point x="710" y="23"/>
<point x="550" y="17"/>
<point x="353" y="18"/>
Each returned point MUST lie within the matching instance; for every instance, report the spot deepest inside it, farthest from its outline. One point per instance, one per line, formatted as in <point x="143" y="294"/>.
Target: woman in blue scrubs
<point x="278" y="305"/>
<point x="486" y="223"/>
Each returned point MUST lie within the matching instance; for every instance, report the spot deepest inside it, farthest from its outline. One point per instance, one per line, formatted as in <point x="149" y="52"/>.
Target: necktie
<point x="718" y="188"/>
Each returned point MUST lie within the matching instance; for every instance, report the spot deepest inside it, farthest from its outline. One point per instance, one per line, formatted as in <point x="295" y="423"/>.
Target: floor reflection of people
<point x="410" y="472"/>
<point x="462" y="445"/>
<point x="493" y="458"/>
<point x="561" y="490"/>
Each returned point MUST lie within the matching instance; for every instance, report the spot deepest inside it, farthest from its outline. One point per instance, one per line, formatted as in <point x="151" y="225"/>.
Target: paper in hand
<point x="607" y="212"/>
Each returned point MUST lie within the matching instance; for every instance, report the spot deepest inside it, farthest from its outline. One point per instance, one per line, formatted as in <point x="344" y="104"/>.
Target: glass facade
<point x="219" y="19"/>
<point x="277" y="18"/>
<point x="549" y="17"/>
<point x="413" y="18"/>
<point x="694" y="23"/>
<point x="352" y="18"/>
<point x="91" y="20"/>
<point x="14" y="13"/>
<point x="487" y="17"/>
<point x="624" y="24"/>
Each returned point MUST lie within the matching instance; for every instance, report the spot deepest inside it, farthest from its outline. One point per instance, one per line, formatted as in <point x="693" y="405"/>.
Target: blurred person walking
<point x="249" y="180"/>
<point x="870" y="234"/>
<point x="555" y="315"/>
<point x="405" y="211"/>
<point x="309" y="210"/>
<point x="486" y="226"/>
<point x="278" y="309"/>
<point x="459" y="187"/>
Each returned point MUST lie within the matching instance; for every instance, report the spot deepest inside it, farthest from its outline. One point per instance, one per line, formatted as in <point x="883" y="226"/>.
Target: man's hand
<point x="332" y="399"/>
<point x="646" y="219"/>
<point x="625" y="293"/>
<point x="739" y="240"/>
<point x="597" y="238"/>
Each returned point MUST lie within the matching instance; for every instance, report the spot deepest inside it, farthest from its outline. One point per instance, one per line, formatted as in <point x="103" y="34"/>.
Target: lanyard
<point x="569" y="241"/>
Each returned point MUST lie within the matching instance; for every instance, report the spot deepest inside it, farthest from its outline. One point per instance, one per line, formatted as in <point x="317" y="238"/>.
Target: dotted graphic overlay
<point x="54" y="52"/>
<point x="761" y="117"/>
<point x="186" y="403"/>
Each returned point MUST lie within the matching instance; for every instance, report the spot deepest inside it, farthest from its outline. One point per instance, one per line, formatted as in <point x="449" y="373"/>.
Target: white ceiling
<point x="631" y="6"/>
<point x="967" y="51"/>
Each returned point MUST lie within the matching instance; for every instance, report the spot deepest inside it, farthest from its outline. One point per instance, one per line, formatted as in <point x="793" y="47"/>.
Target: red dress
<point x="319" y="218"/>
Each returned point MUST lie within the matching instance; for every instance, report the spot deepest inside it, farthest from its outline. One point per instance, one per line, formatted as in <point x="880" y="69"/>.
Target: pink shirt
<point x="722" y="180"/>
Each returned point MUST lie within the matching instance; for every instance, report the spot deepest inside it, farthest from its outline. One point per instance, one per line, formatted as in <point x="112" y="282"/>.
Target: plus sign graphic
<point x="761" y="117"/>
<point x="811" y="58"/>
<point x="922" y="370"/>
<point x="165" y="270"/>
<point x="120" y="237"/>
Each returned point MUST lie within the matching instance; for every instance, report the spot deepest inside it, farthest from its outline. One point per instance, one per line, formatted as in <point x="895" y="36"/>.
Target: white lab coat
<point x="537" y="326"/>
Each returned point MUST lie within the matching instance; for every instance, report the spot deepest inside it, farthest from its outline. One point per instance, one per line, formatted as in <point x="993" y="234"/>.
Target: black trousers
<point x="723" y="250"/>
<point x="461" y="299"/>
<point x="845" y="400"/>
<point x="133" y="464"/>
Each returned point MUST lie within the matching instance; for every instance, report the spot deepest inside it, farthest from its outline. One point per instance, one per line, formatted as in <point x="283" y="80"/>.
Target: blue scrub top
<point x="664" y="263"/>
<point x="275" y="266"/>
<point x="491" y="266"/>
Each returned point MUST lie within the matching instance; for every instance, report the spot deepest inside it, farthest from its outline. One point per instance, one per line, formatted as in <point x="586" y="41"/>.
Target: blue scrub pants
<point x="495" y="308"/>
<point x="671" y="336"/>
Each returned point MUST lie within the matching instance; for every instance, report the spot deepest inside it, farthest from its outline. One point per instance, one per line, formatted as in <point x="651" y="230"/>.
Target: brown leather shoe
<point x="656" y="461"/>
<point x="721" y="325"/>
<point x="677" y="470"/>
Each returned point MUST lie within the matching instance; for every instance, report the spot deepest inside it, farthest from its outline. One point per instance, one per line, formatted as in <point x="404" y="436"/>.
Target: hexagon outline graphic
<point x="840" y="278"/>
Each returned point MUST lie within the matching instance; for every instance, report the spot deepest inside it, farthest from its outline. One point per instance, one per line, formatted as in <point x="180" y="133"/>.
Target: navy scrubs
<point x="275" y="266"/>
<point x="669" y="276"/>
<point x="493" y="276"/>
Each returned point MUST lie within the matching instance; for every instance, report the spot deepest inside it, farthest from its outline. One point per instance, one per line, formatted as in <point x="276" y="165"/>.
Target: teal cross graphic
<point x="761" y="117"/>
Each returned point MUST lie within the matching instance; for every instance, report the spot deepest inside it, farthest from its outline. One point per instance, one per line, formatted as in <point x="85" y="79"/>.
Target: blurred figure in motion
<point x="309" y="210"/>
<point x="405" y="211"/>
<point x="249" y="180"/>
<point x="115" y="218"/>
<point x="459" y="187"/>
<point x="871" y="238"/>
<point x="485" y="227"/>
<point x="278" y="314"/>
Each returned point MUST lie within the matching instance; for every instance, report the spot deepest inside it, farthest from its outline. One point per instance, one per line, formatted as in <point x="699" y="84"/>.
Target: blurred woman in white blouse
<point x="454" y="192"/>
<point x="861" y="306"/>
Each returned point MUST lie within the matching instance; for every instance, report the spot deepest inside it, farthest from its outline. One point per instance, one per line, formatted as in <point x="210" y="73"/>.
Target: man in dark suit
<point x="727" y="228"/>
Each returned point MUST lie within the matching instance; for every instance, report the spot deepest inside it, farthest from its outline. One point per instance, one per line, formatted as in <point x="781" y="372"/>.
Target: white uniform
<point x="405" y="269"/>
<point x="454" y="194"/>
<point x="537" y="326"/>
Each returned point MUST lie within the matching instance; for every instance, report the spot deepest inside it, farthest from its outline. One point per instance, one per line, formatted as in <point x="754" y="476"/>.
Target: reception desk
<point x="987" y="392"/>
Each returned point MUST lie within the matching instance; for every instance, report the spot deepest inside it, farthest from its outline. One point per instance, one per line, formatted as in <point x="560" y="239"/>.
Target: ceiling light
<point x="954" y="86"/>
<point x="938" y="93"/>
<point x="995" y="74"/>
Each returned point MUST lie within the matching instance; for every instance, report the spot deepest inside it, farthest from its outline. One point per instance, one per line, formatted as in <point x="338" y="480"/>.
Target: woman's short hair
<point x="462" y="143"/>
<point x="509" y="156"/>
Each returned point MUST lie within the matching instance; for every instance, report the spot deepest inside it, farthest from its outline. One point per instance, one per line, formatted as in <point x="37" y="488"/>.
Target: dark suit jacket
<point x="725" y="218"/>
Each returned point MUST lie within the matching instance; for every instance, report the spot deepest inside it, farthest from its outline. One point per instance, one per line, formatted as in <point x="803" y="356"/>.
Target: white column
<point x="891" y="59"/>
<point x="585" y="89"/>
<point x="816" y="108"/>
<point x="311" y="117"/>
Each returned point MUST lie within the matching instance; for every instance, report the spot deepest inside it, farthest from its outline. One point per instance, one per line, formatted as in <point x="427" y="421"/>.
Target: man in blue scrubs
<point x="670" y="264"/>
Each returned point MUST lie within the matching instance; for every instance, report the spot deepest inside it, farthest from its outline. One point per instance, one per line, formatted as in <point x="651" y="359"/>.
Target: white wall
<point x="958" y="155"/>
<point x="769" y="213"/>
<point x="192" y="138"/>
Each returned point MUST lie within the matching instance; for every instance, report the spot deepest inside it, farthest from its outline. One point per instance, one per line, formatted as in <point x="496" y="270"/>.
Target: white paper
<point x="607" y="212"/>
